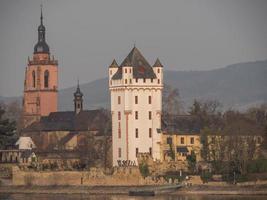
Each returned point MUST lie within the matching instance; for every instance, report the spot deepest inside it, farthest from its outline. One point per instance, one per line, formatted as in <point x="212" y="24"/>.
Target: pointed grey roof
<point x="78" y="92"/>
<point x="157" y="63"/>
<point x="135" y="59"/>
<point x="114" y="64"/>
<point x="141" y="68"/>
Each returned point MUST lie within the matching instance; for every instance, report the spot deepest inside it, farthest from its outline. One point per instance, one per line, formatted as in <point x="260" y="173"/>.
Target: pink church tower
<point x="41" y="81"/>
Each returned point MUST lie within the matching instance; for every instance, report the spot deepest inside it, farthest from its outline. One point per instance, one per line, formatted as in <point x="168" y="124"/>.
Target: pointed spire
<point x="41" y="18"/>
<point x="157" y="63"/>
<point x="78" y="91"/>
<point x="114" y="64"/>
<point x="41" y="46"/>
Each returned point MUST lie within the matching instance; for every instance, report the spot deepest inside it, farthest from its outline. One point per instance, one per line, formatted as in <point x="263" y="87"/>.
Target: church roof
<point x="86" y="120"/>
<point x="141" y="67"/>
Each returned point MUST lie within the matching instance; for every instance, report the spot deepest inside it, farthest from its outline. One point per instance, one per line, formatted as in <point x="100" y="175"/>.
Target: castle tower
<point x="136" y="105"/>
<point x="78" y="100"/>
<point x="41" y="81"/>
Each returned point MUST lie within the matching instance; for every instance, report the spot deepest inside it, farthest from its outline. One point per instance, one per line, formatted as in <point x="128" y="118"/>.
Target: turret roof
<point x="157" y="63"/>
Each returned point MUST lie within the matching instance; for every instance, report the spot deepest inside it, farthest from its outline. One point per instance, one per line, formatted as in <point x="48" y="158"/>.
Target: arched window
<point x="33" y="79"/>
<point x="46" y="79"/>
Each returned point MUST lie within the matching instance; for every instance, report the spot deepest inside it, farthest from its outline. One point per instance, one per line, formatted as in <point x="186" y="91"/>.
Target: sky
<point x="86" y="35"/>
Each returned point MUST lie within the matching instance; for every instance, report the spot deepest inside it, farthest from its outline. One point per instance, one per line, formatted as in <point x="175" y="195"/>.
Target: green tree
<point x="191" y="159"/>
<point x="8" y="134"/>
<point x="205" y="143"/>
<point x="144" y="170"/>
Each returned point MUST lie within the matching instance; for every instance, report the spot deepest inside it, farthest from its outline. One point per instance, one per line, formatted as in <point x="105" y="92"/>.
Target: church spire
<point x="78" y="99"/>
<point x="41" y="18"/>
<point x="41" y="46"/>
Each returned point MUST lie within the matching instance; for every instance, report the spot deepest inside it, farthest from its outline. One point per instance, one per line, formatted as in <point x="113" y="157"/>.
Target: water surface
<point x="123" y="197"/>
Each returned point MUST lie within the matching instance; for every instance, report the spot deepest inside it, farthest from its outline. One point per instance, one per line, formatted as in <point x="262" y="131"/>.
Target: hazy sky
<point x="85" y="35"/>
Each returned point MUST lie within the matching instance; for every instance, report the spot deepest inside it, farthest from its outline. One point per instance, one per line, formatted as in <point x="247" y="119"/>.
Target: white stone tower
<point x="136" y="105"/>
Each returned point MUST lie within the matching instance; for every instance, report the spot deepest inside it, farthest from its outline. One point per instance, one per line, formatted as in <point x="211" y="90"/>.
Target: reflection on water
<point x="121" y="197"/>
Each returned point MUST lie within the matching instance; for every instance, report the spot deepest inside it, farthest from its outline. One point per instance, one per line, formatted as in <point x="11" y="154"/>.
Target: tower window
<point x="158" y="81"/>
<point x="136" y="114"/>
<point x="144" y="80"/>
<point x="149" y="115"/>
<point x="152" y="80"/>
<point x="130" y="81"/>
<point x="119" y="115"/>
<point x="119" y="130"/>
<point x="130" y="71"/>
<point x="136" y="151"/>
<point x="119" y="152"/>
<point x="136" y="99"/>
<point x="125" y="81"/>
<point x="125" y="71"/>
<point x="149" y="99"/>
<point x="46" y="79"/>
<point x="119" y="99"/>
<point x="158" y="70"/>
<point x="136" y="133"/>
<point x="136" y="80"/>
<point x="110" y="72"/>
<point x="150" y="132"/>
<point x="150" y="150"/>
<point x="33" y="79"/>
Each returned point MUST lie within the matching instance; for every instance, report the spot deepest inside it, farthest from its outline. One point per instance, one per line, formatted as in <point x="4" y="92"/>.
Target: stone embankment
<point x="127" y="176"/>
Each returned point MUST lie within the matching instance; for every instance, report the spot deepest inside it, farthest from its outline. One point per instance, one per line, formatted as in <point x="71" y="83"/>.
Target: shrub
<point x="257" y="166"/>
<point x="206" y="176"/>
<point x="143" y="167"/>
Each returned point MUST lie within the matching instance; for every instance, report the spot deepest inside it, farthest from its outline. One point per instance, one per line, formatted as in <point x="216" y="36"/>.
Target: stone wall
<point x="96" y="176"/>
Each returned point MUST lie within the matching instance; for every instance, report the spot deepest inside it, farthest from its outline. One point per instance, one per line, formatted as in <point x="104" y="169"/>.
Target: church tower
<point x="136" y="105"/>
<point x="78" y="100"/>
<point x="41" y="81"/>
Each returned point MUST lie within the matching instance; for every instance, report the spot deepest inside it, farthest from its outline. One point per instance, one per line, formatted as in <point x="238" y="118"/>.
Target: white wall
<point x="127" y="92"/>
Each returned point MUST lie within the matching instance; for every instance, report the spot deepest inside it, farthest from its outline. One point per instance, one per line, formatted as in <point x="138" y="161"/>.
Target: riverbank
<point x="123" y="190"/>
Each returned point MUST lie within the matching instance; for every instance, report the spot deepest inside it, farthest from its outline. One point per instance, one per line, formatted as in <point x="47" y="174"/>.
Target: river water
<point x="122" y="197"/>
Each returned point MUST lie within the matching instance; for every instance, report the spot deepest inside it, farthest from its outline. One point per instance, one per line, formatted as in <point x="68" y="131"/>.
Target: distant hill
<point x="236" y="86"/>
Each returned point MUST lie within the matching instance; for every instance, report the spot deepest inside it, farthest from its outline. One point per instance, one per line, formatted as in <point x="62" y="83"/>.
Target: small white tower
<point x="136" y="105"/>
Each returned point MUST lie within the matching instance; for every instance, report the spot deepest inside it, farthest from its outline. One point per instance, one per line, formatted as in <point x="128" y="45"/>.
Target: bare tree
<point x="172" y="104"/>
